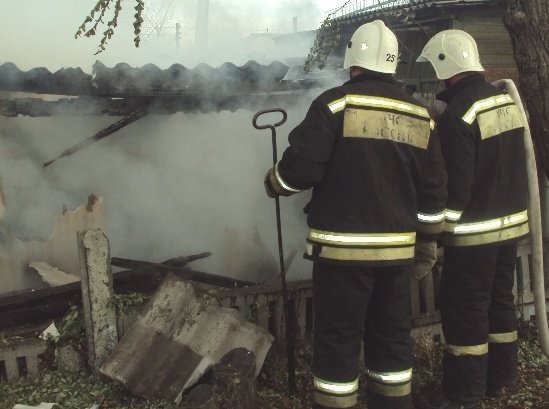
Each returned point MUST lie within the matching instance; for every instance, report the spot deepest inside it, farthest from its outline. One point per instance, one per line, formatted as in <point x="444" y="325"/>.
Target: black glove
<point x="268" y="185"/>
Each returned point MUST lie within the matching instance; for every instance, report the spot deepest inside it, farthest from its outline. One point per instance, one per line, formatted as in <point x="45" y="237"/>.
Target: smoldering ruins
<point x="170" y="169"/>
<point x="150" y="180"/>
<point x="193" y="157"/>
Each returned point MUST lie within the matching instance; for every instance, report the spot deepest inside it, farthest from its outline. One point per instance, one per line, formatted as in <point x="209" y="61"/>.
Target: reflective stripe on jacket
<point x="370" y="154"/>
<point x="481" y="135"/>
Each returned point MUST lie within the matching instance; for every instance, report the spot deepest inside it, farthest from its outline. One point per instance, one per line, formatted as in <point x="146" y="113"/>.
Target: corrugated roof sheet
<point x="148" y="80"/>
<point x="176" y="337"/>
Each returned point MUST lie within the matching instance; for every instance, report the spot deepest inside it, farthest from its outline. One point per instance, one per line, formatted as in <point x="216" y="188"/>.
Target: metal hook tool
<point x="287" y="311"/>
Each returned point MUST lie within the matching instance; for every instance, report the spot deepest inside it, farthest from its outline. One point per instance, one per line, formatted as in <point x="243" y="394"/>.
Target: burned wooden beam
<point x="260" y="288"/>
<point x="234" y="380"/>
<point x="201" y="397"/>
<point x="185" y="272"/>
<point x="32" y="307"/>
<point x="99" y="135"/>
<point x="161" y="104"/>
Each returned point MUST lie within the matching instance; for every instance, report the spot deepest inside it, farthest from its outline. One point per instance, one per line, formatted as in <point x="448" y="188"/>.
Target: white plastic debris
<point x="52" y="275"/>
<point x="43" y="405"/>
<point x="50" y="333"/>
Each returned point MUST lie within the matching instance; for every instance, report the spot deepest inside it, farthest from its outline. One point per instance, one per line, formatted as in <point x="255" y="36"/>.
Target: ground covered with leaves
<point x="81" y="390"/>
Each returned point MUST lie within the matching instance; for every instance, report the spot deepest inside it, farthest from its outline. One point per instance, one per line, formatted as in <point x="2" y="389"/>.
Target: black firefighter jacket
<point x="481" y="135"/>
<point x="369" y="152"/>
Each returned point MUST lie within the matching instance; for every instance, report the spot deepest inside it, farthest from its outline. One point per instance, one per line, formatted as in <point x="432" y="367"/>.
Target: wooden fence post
<point x="97" y="295"/>
<point x="234" y="380"/>
<point x="201" y="397"/>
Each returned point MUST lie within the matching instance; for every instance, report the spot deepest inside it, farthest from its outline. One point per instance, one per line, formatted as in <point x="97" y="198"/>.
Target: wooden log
<point x="234" y="380"/>
<point x="31" y="307"/>
<point x="121" y="123"/>
<point x="201" y="397"/>
<point x="185" y="273"/>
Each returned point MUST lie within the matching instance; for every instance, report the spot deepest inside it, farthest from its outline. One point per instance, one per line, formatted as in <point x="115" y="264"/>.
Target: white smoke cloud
<point x="41" y="33"/>
<point x="172" y="185"/>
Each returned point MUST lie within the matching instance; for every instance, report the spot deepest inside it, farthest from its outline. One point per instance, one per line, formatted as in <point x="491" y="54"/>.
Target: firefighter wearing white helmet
<point x="368" y="152"/>
<point x="481" y="135"/>
<point x="373" y="47"/>
<point x="451" y="52"/>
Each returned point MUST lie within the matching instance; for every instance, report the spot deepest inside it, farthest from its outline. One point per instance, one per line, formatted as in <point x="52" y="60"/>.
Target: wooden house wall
<point x="484" y="23"/>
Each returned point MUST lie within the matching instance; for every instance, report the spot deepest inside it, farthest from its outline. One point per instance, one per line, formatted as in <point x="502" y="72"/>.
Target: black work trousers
<point x="354" y="304"/>
<point x="478" y="320"/>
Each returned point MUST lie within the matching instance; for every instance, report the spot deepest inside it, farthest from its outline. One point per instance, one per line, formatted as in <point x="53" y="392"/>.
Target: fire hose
<point x="288" y="315"/>
<point x="534" y="219"/>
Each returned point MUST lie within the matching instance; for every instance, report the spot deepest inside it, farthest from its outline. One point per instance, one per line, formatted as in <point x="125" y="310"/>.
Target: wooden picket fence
<point x="263" y="305"/>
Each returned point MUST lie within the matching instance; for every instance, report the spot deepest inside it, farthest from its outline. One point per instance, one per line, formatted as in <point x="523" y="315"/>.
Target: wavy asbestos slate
<point x="176" y="337"/>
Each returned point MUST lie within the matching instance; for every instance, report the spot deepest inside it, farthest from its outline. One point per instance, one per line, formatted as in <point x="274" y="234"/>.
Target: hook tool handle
<point x="288" y="305"/>
<point x="270" y="126"/>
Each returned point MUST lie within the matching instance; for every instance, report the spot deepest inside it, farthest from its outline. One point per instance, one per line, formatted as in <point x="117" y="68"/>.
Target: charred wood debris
<point x="133" y="93"/>
<point x="175" y="290"/>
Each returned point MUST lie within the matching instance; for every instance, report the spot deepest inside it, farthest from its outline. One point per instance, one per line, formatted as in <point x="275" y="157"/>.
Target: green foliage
<point x="325" y="43"/>
<point x="97" y="15"/>
<point x="72" y="323"/>
<point x="124" y="301"/>
<point x="74" y="391"/>
<point x="80" y="391"/>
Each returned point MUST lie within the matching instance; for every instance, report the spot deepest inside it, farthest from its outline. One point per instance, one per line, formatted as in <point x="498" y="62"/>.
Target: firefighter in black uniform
<point x="481" y="135"/>
<point x="369" y="152"/>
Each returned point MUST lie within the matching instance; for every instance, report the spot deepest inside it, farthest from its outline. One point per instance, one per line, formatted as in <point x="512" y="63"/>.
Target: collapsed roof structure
<point x="122" y="89"/>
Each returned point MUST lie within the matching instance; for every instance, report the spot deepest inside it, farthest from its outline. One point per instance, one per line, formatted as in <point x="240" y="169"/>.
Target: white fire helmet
<point x="451" y="52"/>
<point x="374" y="47"/>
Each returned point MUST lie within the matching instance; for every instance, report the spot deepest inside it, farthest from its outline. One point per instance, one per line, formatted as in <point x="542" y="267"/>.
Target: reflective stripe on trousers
<point x="356" y="303"/>
<point x="478" y="320"/>
<point x="335" y="394"/>
<point x="390" y="384"/>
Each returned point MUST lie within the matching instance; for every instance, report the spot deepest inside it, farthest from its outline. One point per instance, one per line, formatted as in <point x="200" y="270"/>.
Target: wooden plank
<point x="524" y="291"/>
<point x="36" y="307"/>
<point x="301" y="315"/>
<point x="264" y="288"/>
<point x="183" y="272"/>
<point x="414" y="296"/>
<point x="262" y="311"/>
<point x="242" y="306"/>
<point x="234" y="380"/>
<point x="201" y="397"/>
<point x="429" y="292"/>
<point x="280" y="322"/>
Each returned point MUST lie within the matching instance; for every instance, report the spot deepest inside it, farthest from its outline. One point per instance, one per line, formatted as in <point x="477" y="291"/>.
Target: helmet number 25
<point x="391" y="57"/>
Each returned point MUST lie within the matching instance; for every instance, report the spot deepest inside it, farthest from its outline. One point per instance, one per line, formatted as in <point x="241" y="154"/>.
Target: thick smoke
<point x="173" y="185"/>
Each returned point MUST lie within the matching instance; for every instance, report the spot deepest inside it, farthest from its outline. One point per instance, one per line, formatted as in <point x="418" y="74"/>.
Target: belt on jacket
<point x="488" y="231"/>
<point x="361" y="247"/>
